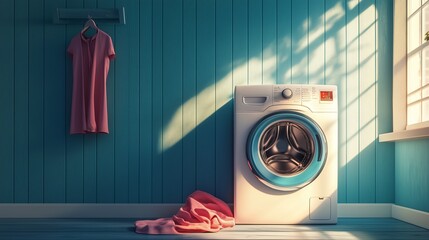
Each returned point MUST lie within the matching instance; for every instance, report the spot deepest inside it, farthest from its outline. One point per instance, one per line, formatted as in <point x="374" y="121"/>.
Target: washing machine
<point x="285" y="154"/>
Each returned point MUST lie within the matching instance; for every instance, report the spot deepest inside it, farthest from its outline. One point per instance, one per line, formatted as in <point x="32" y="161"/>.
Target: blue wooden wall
<point x="411" y="174"/>
<point x="169" y="95"/>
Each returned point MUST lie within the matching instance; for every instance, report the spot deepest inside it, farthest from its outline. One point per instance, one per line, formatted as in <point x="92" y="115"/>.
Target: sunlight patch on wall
<point x="269" y="66"/>
<point x="335" y="60"/>
<point x="255" y="70"/>
<point x="367" y="73"/>
<point x="319" y="26"/>
<point x="352" y="3"/>
<point x="284" y="46"/>
<point x="317" y="63"/>
<point x="286" y="43"/>
<point x="171" y="135"/>
<point x="367" y="19"/>
<point x="333" y="14"/>
<point x="262" y="69"/>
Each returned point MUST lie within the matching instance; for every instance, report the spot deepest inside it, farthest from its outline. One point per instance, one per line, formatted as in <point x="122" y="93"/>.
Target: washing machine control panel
<point x="315" y="97"/>
<point x="287" y="94"/>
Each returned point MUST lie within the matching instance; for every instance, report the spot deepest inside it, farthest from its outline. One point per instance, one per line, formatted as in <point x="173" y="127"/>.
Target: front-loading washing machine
<point x="285" y="154"/>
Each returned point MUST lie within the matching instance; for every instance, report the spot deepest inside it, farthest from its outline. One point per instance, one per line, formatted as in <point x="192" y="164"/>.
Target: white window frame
<point x="401" y="131"/>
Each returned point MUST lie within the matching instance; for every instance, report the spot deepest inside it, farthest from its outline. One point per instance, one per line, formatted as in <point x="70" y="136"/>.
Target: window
<point x="417" y="64"/>
<point x="410" y="83"/>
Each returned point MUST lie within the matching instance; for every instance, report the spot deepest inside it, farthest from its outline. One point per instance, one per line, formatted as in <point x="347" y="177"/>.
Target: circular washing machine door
<point x="286" y="150"/>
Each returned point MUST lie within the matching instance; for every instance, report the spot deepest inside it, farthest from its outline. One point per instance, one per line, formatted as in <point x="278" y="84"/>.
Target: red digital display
<point x="326" y="96"/>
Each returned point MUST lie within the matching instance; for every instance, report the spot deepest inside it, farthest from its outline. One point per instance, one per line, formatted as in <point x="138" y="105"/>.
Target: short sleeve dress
<point x="91" y="60"/>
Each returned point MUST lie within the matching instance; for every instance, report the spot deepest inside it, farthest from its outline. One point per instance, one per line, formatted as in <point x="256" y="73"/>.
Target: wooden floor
<point x="347" y="228"/>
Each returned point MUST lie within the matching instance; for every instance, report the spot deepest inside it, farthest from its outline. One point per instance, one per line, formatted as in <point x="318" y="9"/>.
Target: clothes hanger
<point x="89" y="24"/>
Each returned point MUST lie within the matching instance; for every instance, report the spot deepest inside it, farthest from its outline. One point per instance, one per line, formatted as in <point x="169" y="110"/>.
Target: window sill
<point x="405" y="135"/>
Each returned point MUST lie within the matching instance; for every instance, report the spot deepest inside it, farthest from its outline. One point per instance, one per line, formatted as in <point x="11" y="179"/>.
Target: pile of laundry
<point x="202" y="212"/>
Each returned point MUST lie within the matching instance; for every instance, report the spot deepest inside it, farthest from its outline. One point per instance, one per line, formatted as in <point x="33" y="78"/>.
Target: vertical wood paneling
<point x="7" y="120"/>
<point x="54" y="112"/>
<point x="205" y="165"/>
<point x="145" y="146"/>
<point x="284" y="44"/>
<point x="122" y="110"/>
<point x="240" y="45"/>
<point x="21" y="102"/>
<point x="255" y="49"/>
<point x="74" y="143"/>
<point x="300" y="23"/>
<point x="89" y="170"/>
<point x="90" y="151"/>
<point x="36" y="102"/>
<point x="157" y="151"/>
<point x="352" y="78"/>
<point x="172" y="97"/>
<point x="133" y="99"/>
<point x="224" y="88"/>
<point x="240" y="28"/>
<point x="367" y="104"/>
<point x="336" y="73"/>
<point x="106" y="144"/>
<point x="411" y="174"/>
<point x="385" y="155"/>
<point x="316" y="42"/>
<point x="269" y="42"/>
<point x="174" y="74"/>
<point x="189" y="96"/>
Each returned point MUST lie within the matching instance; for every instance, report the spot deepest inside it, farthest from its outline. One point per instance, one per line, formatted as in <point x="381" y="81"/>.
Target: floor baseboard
<point x="410" y="215"/>
<point x="151" y="211"/>
<point x="365" y="210"/>
<point x="88" y="210"/>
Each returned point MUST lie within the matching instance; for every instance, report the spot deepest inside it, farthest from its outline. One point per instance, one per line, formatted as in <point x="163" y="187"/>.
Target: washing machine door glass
<point x="287" y="150"/>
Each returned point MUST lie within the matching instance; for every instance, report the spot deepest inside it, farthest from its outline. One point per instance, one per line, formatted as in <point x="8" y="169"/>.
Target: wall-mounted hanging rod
<point x="79" y="15"/>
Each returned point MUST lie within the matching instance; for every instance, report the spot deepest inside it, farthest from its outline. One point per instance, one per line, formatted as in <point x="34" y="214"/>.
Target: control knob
<point x="287" y="93"/>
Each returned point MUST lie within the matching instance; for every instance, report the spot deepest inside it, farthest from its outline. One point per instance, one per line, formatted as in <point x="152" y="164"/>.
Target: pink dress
<point x="91" y="60"/>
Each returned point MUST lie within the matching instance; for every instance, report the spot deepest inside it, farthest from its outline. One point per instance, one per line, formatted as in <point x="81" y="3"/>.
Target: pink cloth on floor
<point x="202" y="212"/>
